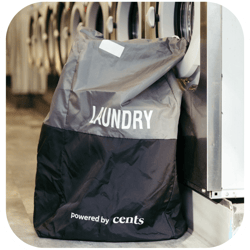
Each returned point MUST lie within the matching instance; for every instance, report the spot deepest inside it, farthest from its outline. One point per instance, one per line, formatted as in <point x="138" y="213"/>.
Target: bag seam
<point x="125" y="138"/>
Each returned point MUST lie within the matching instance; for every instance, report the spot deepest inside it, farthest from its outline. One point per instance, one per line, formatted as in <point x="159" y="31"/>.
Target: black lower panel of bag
<point x="98" y="188"/>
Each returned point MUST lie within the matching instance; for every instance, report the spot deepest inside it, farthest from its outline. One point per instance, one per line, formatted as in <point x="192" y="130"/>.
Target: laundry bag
<point x="106" y="162"/>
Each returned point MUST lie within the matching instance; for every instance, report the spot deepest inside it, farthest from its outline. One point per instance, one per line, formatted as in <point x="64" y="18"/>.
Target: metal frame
<point x="212" y="122"/>
<point x="214" y="95"/>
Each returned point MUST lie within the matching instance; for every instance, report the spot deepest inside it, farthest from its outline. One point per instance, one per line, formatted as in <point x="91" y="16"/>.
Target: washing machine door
<point x="34" y="45"/>
<point x="96" y="17"/>
<point x="129" y="20"/>
<point x="51" y="42"/>
<point x="167" y="19"/>
<point x="42" y="59"/>
<point x="39" y="30"/>
<point x="151" y="29"/>
<point x="111" y="21"/>
<point x="56" y="21"/>
<point x="30" y="40"/>
<point x="44" y="37"/>
<point x="65" y="32"/>
<point x="77" y="17"/>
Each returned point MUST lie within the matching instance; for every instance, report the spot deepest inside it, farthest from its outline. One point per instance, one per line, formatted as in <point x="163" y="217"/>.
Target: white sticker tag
<point x="111" y="47"/>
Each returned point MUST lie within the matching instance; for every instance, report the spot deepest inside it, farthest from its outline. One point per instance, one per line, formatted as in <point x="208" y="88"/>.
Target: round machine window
<point x="99" y="20"/>
<point x="133" y="22"/>
<point x="184" y="19"/>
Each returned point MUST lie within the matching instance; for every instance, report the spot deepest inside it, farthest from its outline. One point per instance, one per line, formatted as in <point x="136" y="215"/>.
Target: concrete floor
<point x="23" y="130"/>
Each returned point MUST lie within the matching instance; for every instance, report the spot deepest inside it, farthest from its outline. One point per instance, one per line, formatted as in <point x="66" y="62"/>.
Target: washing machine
<point x="182" y="19"/>
<point x="77" y="18"/>
<point x="36" y="72"/>
<point x="39" y="41"/>
<point x="127" y="22"/>
<point x="42" y="59"/>
<point x="210" y="146"/>
<point x="54" y="36"/>
<point x="96" y="17"/>
<point x="65" y="32"/>
<point x="31" y="39"/>
<point x="51" y="40"/>
<point x="111" y="21"/>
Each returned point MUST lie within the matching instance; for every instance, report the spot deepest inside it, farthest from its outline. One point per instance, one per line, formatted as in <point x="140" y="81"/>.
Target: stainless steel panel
<point x="214" y="93"/>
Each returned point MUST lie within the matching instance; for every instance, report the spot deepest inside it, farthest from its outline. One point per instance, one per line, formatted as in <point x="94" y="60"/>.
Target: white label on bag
<point x="111" y="47"/>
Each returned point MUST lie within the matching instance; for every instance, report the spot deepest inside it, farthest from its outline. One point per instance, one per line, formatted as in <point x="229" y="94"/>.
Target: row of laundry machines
<point x="207" y="134"/>
<point x="53" y="26"/>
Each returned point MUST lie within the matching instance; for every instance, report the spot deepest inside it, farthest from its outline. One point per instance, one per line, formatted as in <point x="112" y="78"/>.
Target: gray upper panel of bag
<point x="119" y="89"/>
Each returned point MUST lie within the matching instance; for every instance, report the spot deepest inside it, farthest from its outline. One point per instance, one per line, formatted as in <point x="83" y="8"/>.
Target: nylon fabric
<point x="110" y="178"/>
<point x="140" y="80"/>
<point x="106" y="160"/>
